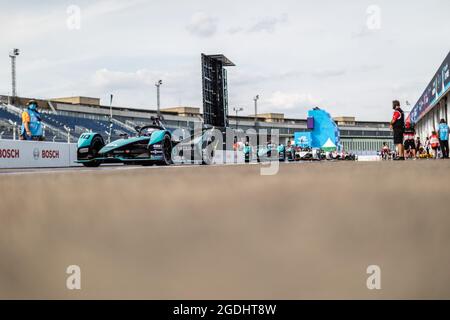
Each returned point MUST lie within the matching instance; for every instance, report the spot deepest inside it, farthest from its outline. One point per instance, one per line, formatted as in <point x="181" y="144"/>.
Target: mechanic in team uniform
<point x="398" y="126"/>
<point x="443" y="138"/>
<point x="408" y="138"/>
<point x="31" y="123"/>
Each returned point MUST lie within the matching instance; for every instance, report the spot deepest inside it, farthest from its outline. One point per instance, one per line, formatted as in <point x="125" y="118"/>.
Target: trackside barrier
<point x="37" y="154"/>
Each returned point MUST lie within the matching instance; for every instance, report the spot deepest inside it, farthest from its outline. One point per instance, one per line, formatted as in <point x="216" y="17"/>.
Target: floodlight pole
<point x="255" y="99"/>
<point x="13" y="55"/>
<point x="237" y="110"/>
<point x="110" y="117"/>
<point x="158" y="98"/>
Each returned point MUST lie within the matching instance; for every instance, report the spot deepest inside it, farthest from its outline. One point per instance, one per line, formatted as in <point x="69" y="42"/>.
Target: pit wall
<point x="34" y="154"/>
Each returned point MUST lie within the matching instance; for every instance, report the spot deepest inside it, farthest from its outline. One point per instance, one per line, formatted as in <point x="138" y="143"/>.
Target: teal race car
<point x="152" y="145"/>
<point x="267" y="152"/>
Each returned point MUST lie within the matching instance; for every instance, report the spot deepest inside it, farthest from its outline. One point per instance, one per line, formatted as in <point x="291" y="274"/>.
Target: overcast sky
<point x="350" y="57"/>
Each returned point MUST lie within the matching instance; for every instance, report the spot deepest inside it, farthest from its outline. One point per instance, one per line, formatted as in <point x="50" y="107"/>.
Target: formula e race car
<point x="341" y="156"/>
<point x="290" y="153"/>
<point x="265" y="153"/>
<point x="199" y="149"/>
<point x="307" y="154"/>
<point x="153" y="144"/>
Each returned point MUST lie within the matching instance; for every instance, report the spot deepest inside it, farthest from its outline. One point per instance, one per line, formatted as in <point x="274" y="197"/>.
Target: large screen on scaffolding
<point x="215" y="90"/>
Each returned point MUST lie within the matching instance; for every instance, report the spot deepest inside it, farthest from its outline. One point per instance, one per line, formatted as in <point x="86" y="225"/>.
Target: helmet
<point x="32" y="105"/>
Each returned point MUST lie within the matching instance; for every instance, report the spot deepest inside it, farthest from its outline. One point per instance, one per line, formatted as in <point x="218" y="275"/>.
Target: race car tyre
<point x="96" y="144"/>
<point x="283" y="157"/>
<point x="167" y="150"/>
<point x="92" y="164"/>
<point x="207" y="156"/>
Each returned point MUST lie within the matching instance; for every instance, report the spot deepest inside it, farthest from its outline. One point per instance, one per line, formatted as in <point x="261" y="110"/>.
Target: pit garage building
<point x="432" y="105"/>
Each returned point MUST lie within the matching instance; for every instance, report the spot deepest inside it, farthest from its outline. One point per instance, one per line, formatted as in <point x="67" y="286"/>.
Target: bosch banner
<point x="32" y="154"/>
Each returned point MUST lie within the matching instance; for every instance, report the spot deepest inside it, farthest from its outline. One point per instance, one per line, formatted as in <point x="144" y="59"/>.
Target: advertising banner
<point x="434" y="91"/>
<point x="34" y="154"/>
<point x="302" y="139"/>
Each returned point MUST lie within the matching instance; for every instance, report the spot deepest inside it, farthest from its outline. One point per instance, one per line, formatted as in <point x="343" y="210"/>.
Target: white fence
<point x="34" y="154"/>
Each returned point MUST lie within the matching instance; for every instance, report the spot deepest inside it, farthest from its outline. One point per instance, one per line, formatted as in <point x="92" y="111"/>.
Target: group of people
<point x="407" y="145"/>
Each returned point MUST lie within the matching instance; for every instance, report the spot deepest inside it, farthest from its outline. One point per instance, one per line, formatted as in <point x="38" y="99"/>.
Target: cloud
<point x="329" y="73"/>
<point x="268" y="24"/>
<point x="234" y="30"/>
<point x="142" y="78"/>
<point x="282" y="100"/>
<point x="33" y="24"/>
<point x="362" y="33"/>
<point x="104" y="7"/>
<point x="202" y="25"/>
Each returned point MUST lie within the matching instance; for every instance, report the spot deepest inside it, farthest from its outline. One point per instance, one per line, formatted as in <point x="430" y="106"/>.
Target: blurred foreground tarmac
<point x="227" y="232"/>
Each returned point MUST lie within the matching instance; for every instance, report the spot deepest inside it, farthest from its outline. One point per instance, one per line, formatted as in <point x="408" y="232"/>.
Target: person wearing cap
<point x="31" y="123"/>
<point x="398" y="126"/>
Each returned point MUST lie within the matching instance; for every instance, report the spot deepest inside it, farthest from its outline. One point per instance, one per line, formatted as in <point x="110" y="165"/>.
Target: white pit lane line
<point x="111" y="168"/>
<point x="103" y="169"/>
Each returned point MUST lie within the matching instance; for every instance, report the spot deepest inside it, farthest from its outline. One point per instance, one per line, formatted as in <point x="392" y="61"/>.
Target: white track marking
<point x="103" y="169"/>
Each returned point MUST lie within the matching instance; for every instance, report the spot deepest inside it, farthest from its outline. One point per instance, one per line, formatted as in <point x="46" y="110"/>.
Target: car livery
<point x="152" y="145"/>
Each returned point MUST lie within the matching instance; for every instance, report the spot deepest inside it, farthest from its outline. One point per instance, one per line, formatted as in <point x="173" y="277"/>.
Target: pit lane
<point x="226" y="232"/>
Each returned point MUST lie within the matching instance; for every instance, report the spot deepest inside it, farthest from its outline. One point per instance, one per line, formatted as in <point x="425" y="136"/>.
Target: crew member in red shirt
<point x="409" y="142"/>
<point x="398" y="127"/>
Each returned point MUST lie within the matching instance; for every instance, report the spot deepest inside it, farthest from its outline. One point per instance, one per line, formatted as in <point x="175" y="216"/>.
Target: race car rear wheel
<point x="208" y="156"/>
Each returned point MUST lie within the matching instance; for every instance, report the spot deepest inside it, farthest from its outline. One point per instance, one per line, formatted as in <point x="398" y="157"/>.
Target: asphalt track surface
<point x="227" y="232"/>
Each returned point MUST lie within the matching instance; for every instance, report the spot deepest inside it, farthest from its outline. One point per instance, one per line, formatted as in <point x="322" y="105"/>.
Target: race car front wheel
<point x="96" y="144"/>
<point x="167" y="150"/>
<point x="92" y="164"/>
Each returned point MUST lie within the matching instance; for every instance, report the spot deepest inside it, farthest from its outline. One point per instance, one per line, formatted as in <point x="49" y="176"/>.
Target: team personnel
<point x="398" y="126"/>
<point x="408" y="137"/>
<point x="385" y="151"/>
<point x="427" y="145"/>
<point x="443" y="138"/>
<point x="434" y="142"/>
<point x="31" y="123"/>
<point x="418" y="144"/>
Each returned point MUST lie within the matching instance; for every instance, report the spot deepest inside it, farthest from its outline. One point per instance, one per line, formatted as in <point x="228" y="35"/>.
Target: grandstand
<point x="61" y="126"/>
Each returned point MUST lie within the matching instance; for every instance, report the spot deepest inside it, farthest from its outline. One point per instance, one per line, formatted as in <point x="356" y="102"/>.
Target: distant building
<point x="79" y="100"/>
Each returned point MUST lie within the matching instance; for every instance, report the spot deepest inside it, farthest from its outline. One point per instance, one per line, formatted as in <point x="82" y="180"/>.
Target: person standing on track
<point x="418" y="144"/>
<point x="409" y="143"/>
<point x="398" y="127"/>
<point x="443" y="138"/>
<point x="434" y="142"/>
<point x="427" y="145"/>
<point x="31" y="123"/>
